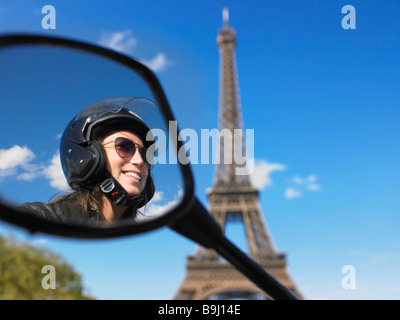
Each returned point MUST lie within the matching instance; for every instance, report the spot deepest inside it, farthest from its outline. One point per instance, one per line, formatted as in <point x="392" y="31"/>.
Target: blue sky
<point x="323" y="103"/>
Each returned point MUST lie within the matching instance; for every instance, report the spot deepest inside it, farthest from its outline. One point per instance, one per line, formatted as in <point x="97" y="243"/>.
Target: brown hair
<point x="91" y="198"/>
<point x="86" y="197"/>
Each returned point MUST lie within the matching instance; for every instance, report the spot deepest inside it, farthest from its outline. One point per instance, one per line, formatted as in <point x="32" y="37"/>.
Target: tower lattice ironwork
<point x="232" y="198"/>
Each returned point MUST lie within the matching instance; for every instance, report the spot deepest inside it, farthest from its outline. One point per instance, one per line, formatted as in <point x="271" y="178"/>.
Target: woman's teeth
<point x="132" y="174"/>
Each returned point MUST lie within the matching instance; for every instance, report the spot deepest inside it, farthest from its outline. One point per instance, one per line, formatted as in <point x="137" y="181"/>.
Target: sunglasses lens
<point x="143" y="154"/>
<point x="125" y="148"/>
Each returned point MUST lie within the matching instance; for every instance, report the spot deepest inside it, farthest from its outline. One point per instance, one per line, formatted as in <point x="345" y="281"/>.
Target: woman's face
<point x="130" y="172"/>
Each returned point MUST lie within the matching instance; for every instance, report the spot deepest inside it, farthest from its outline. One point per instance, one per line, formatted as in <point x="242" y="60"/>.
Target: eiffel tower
<point x="232" y="198"/>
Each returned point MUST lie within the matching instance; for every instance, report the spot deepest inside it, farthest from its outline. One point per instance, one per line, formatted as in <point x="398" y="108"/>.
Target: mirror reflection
<point x="81" y="139"/>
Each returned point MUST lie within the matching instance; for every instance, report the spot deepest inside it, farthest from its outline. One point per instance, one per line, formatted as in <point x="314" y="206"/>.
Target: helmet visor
<point x="112" y="105"/>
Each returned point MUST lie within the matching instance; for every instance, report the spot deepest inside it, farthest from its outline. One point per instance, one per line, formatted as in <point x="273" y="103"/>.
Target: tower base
<point x="218" y="280"/>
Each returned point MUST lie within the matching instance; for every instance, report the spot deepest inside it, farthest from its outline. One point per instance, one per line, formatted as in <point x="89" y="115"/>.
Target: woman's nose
<point x="137" y="158"/>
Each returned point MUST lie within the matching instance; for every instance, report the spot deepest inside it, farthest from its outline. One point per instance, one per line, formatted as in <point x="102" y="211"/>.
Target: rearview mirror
<point x="44" y="83"/>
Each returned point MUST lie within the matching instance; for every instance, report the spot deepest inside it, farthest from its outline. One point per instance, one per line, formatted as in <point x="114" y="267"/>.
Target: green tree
<point x="21" y="274"/>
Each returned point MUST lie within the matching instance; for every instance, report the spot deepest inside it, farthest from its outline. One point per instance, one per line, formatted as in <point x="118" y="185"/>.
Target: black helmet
<point x="83" y="158"/>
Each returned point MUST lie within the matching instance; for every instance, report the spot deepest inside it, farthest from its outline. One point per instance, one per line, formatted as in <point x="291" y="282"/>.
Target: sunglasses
<point x="127" y="148"/>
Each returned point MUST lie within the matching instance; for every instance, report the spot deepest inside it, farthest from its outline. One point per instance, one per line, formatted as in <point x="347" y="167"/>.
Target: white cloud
<point x="308" y="182"/>
<point x="121" y="41"/>
<point x="39" y="241"/>
<point x="261" y="175"/>
<point x="14" y="157"/>
<point x="180" y="193"/>
<point x="154" y="210"/>
<point x="314" y="187"/>
<point x="302" y="184"/>
<point x="55" y="173"/>
<point x="124" y="42"/>
<point x="158" y="63"/>
<point x="311" y="178"/>
<point x="31" y="171"/>
<point x="17" y="161"/>
<point x="291" y="193"/>
<point x="11" y="159"/>
<point x="157" y="196"/>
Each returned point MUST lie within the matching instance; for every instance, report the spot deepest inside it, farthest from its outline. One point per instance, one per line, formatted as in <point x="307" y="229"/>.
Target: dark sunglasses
<point x="127" y="148"/>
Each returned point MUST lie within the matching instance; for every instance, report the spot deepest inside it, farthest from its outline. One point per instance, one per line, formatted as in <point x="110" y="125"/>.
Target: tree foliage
<point x="21" y="273"/>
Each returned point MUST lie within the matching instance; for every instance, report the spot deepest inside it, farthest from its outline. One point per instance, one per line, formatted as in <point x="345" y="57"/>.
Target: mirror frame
<point x="116" y="229"/>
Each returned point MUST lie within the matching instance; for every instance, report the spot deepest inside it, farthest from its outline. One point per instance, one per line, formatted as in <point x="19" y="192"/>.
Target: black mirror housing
<point x="148" y="85"/>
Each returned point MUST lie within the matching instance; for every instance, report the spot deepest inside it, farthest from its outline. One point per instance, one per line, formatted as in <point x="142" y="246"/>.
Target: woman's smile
<point x="134" y="175"/>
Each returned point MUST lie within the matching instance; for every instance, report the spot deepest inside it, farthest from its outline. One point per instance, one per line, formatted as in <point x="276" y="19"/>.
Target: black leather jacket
<point x="67" y="211"/>
<point x="60" y="212"/>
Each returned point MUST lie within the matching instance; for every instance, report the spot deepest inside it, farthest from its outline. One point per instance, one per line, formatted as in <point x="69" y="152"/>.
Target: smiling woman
<point x="41" y="87"/>
<point x="108" y="183"/>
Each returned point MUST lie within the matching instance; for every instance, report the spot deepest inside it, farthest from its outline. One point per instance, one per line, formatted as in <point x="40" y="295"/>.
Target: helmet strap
<point x="118" y="195"/>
